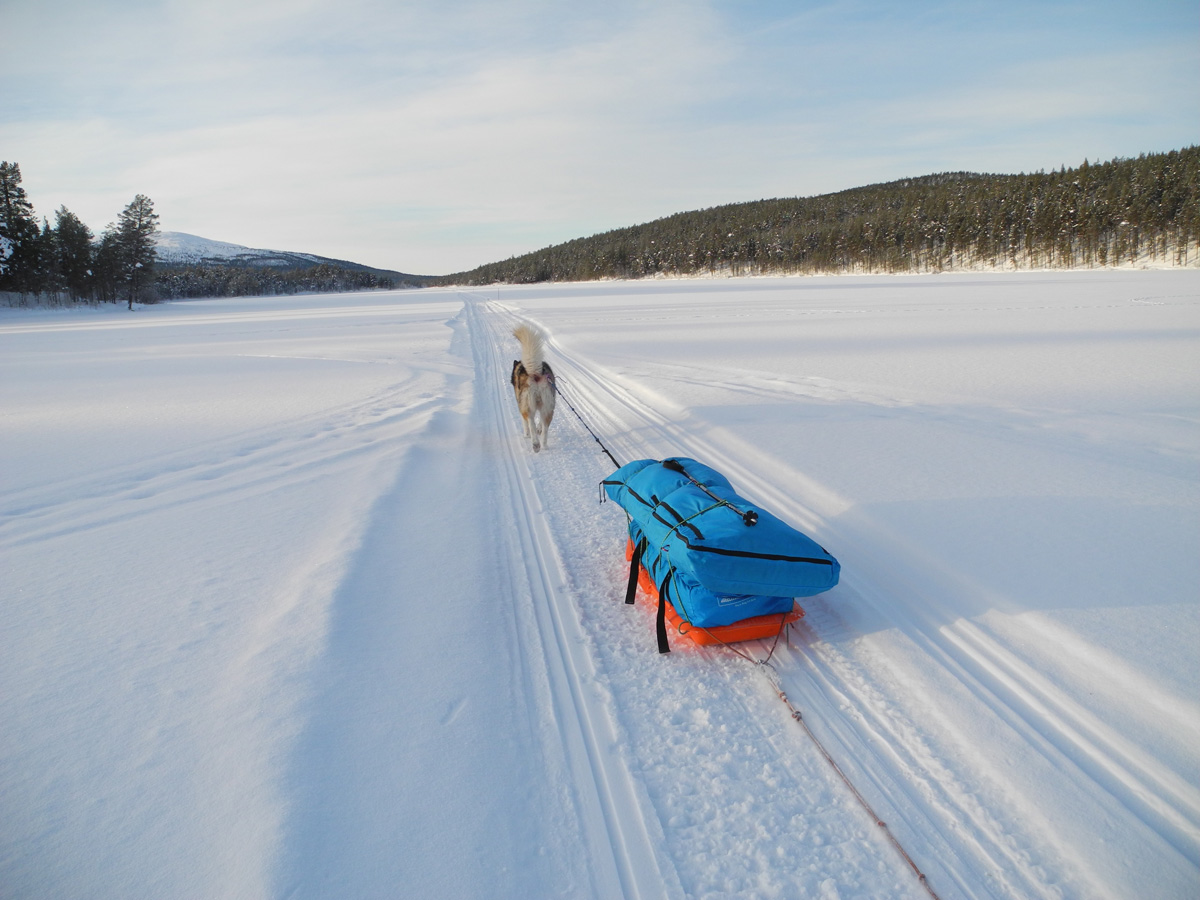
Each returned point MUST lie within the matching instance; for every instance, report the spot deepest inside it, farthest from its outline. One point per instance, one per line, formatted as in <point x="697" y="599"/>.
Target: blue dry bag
<point x="721" y="558"/>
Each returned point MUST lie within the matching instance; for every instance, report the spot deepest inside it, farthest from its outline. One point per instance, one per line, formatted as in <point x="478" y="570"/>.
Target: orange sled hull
<point x="751" y="629"/>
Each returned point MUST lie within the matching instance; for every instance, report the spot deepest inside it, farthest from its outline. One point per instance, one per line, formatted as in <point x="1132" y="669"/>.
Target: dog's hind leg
<point x="537" y="424"/>
<point x="525" y="411"/>
<point x="537" y="437"/>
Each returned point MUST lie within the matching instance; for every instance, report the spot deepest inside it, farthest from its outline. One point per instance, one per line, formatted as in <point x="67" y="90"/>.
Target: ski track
<point x="221" y="468"/>
<point x="918" y="780"/>
<point x="1022" y="425"/>
<point x="723" y="783"/>
<point x="145" y="702"/>
<point x="617" y="832"/>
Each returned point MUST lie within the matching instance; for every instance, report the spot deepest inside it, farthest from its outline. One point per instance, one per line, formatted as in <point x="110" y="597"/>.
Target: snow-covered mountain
<point x="180" y="248"/>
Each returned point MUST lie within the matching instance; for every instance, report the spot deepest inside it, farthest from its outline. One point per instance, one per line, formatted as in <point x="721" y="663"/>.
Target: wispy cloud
<point x="435" y="136"/>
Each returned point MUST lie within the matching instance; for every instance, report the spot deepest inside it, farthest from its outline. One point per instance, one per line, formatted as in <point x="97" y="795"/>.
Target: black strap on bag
<point x="634" y="561"/>
<point x="660" y="624"/>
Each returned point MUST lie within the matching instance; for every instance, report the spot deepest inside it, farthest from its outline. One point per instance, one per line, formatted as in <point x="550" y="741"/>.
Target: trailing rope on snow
<point x="772" y="676"/>
<point x="558" y="391"/>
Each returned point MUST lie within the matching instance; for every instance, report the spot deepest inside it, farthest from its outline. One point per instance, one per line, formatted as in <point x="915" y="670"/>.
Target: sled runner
<point x="715" y="559"/>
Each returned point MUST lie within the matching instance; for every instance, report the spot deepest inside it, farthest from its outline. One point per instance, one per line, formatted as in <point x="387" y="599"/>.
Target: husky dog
<point x="533" y="384"/>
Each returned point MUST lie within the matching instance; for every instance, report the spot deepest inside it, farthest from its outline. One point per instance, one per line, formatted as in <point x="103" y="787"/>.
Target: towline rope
<point x="558" y="390"/>
<point x="772" y="676"/>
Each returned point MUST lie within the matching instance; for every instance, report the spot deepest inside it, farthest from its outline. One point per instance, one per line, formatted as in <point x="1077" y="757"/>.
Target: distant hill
<point x="178" y="248"/>
<point x="193" y="266"/>
<point x="1127" y="211"/>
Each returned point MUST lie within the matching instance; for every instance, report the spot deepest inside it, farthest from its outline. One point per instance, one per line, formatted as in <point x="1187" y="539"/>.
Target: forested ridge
<point x="1126" y="211"/>
<point x="217" y="279"/>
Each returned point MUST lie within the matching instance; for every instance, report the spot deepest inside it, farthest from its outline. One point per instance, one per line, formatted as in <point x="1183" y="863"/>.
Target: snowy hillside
<point x="293" y="611"/>
<point x="178" y="247"/>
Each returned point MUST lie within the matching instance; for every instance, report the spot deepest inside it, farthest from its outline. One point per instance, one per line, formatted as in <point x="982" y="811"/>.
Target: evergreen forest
<point x="1122" y="212"/>
<point x="176" y="282"/>
<point x="66" y="262"/>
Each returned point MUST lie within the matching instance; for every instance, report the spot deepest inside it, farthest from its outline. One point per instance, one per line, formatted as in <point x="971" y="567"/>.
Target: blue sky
<point x="431" y="136"/>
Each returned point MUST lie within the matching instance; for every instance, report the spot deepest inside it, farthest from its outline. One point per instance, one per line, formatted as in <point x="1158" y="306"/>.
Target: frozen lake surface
<point x="291" y="610"/>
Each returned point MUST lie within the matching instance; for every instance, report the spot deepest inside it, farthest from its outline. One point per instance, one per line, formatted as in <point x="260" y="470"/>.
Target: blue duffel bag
<point x="717" y="556"/>
<point x="692" y="514"/>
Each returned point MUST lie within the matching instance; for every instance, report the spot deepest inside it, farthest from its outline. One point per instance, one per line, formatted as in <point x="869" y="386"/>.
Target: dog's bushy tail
<point x="532" y="341"/>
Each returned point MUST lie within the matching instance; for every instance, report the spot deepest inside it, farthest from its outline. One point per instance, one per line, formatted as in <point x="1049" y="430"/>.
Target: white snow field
<point x="291" y="610"/>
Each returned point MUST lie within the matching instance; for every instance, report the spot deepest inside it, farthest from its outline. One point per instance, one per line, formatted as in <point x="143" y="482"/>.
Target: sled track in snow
<point x="622" y="851"/>
<point x="294" y="452"/>
<point x="963" y="834"/>
<point x="1025" y="699"/>
<point x="752" y="723"/>
<point x="633" y="430"/>
<point x="923" y="801"/>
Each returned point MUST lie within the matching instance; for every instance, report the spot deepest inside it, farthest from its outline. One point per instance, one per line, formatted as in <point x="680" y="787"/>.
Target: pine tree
<point x="107" y="266"/>
<point x="19" y="233"/>
<point x="138" y="224"/>
<point x="44" y="274"/>
<point x="73" y="244"/>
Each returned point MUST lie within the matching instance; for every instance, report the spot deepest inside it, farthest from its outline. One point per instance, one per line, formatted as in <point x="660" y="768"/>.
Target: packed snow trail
<point x="740" y="802"/>
<point x="957" y="738"/>
<point x="511" y="710"/>
<point x="486" y="732"/>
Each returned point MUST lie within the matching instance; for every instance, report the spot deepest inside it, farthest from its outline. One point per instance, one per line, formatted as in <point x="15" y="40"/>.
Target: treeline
<point x="177" y="282"/>
<point x="1120" y="212"/>
<point x="67" y="261"/>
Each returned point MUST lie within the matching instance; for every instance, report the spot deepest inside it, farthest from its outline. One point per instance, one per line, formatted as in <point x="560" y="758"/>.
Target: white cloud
<point x="434" y="137"/>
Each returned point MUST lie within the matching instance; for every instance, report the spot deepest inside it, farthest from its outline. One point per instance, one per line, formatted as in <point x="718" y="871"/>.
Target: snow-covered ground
<point x="291" y="610"/>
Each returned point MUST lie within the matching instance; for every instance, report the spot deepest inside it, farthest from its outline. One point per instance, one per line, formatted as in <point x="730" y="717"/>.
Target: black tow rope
<point x="558" y="391"/>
